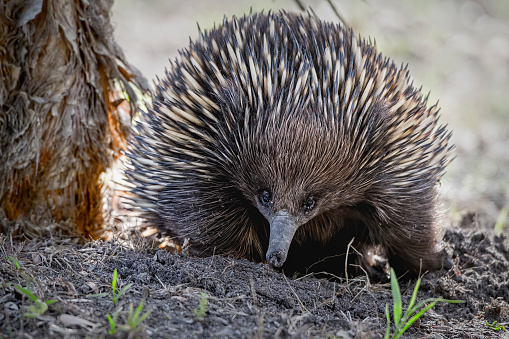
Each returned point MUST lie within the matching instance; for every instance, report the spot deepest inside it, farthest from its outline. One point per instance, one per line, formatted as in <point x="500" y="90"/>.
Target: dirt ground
<point x="245" y="300"/>
<point x="457" y="49"/>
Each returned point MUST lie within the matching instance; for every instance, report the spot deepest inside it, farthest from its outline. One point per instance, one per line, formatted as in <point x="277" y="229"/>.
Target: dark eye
<point x="265" y="197"/>
<point x="308" y="204"/>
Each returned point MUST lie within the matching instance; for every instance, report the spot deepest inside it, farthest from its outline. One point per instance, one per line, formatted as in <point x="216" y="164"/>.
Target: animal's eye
<point x="309" y="204"/>
<point x="265" y="197"/>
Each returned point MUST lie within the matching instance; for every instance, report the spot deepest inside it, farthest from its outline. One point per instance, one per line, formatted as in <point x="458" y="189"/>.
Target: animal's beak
<point x="282" y="230"/>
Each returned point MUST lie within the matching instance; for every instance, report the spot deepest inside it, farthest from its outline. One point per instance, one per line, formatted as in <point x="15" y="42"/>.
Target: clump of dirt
<point x="239" y="299"/>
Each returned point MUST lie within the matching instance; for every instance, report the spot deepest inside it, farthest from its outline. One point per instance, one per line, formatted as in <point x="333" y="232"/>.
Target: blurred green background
<point x="457" y="50"/>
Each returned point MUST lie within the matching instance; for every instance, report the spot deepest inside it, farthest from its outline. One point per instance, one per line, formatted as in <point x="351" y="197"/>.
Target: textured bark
<point x="63" y="120"/>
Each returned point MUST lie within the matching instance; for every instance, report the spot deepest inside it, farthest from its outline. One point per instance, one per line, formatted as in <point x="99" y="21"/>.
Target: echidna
<point x="280" y="138"/>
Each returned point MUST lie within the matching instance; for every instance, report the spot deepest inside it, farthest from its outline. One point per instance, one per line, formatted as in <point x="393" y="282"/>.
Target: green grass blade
<point x="15" y="262"/>
<point x="143" y="317"/>
<point x="417" y="316"/>
<point x="414" y="293"/>
<point x="123" y="290"/>
<point x="409" y="311"/>
<point x="112" y="324"/>
<point x="424" y="302"/>
<point x="113" y="320"/>
<point x="130" y="313"/>
<point x="139" y="309"/>
<point x="396" y="296"/>
<point x="26" y="292"/>
<point x="388" y="316"/>
<point x="499" y="225"/>
<point x="114" y="281"/>
<point x="425" y="309"/>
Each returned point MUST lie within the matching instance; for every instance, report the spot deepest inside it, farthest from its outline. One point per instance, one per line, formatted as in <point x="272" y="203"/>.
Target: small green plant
<point x="15" y="262"/>
<point x="113" y="320"/>
<point x="499" y="225"/>
<point x="134" y="318"/>
<point x="114" y="295"/>
<point x="403" y="321"/>
<point x="495" y="326"/>
<point x="202" y="306"/>
<point x="38" y="307"/>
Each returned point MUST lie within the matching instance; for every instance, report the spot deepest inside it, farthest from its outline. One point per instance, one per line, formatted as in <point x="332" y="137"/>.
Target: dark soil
<point x="245" y="300"/>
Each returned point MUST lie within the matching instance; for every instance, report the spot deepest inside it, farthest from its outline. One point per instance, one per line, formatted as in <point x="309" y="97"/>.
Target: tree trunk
<point x="63" y="117"/>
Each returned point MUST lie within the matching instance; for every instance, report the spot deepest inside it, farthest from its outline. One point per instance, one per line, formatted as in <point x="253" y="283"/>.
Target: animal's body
<point x="279" y="138"/>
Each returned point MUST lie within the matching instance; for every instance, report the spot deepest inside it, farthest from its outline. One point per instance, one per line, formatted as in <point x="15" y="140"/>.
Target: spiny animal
<point x="284" y="139"/>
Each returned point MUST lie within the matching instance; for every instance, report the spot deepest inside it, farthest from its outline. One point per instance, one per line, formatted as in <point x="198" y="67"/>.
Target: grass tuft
<point x="38" y="307"/>
<point x="133" y="317"/>
<point x="114" y="295"/>
<point x="113" y="320"/>
<point x="402" y="321"/>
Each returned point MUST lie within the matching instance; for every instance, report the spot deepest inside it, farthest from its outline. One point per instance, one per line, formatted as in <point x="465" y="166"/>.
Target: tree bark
<point x="67" y="96"/>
